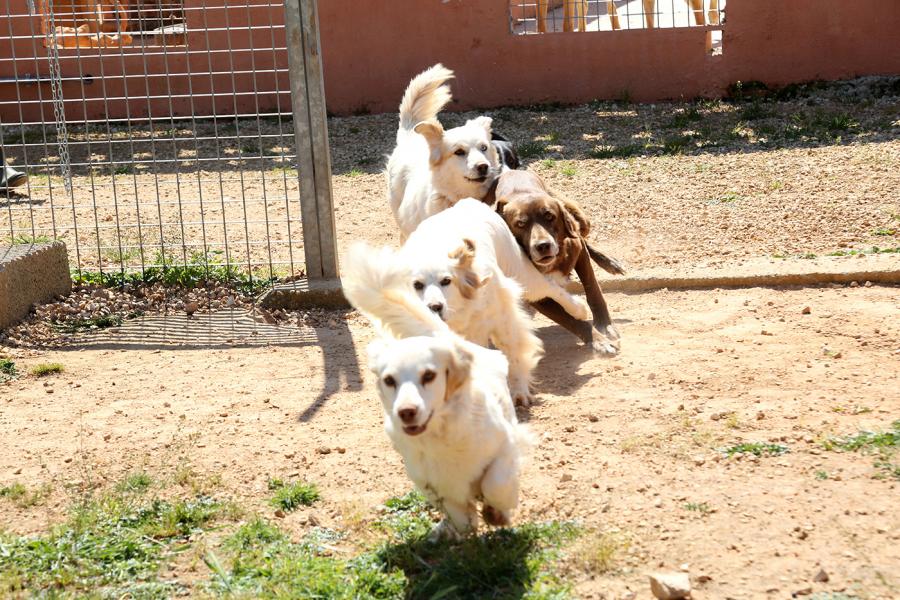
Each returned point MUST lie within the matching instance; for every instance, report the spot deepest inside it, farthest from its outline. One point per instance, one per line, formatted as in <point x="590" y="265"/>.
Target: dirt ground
<point x="629" y="446"/>
<point x="632" y="446"/>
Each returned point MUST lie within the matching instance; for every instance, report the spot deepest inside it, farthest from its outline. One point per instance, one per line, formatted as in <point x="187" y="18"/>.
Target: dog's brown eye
<point x="428" y="377"/>
<point x="483" y="148"/>
<point x="419" y="285"/>
<point x="550" y="216"/>
<point x="460" y="152"/>
<point x="445" y="281"/>
<point x="389" y="381"/>
<point x="521" y="224"/>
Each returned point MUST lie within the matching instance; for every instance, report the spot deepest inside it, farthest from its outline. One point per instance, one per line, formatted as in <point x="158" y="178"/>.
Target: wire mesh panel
<point x="152" y="133"/>
<point x="545" y="16"/>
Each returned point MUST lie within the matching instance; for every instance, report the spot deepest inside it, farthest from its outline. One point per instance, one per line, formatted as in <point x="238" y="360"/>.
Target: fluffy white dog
<point x="447" y="408"/>
<point x="431" y="169"/>
<point x="466" y="267"/>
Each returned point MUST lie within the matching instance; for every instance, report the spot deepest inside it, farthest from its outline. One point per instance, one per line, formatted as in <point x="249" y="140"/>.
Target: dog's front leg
<point x="584" y="330"/>
<point x="595" y="300"/>
<point x="500" y="489"/>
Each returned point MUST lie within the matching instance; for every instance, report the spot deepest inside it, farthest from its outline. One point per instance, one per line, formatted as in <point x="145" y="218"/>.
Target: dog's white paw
<point x="520" y="393"/>
<point x="495" y="517"/>
<point x="605" y="344"/>
<point x="444" y="531"/>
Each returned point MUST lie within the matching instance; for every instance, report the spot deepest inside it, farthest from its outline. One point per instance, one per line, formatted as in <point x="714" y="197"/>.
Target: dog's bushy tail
<point x="378" y="285"/>
<point x="425" y="96"/>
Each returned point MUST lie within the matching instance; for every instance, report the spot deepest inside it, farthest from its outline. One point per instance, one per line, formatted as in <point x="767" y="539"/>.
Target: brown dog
<point x="552" y="231"/>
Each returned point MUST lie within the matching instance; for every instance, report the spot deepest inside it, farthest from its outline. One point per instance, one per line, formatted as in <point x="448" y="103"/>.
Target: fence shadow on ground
<point x="234" y="328"/>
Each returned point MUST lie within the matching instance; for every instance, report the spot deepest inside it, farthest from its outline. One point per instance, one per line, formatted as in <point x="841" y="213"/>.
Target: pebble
<point x="803" y="592"/>
<point x="323" y="450"/>
<point x="806" y="310"/>
<point x="565" y="477"/>
<point x="821" y="576"/>
<point x="670" y="586"/>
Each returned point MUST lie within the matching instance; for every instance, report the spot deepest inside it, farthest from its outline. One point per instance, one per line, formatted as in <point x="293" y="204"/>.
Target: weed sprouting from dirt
<point x="623" y="151"/>
<point x="883" y="444"/>
<point x="45" y="369"/>
<point x="756" y="449"/>
<point x="7" y="370"/>
<point x="599" y="552"/>
<point x="698" y="507"/>
<point x="22" y="497"/>
<point x="136" y="483"/>
<point x="100" y="322"/>
<point x="290" y="496"/>
<point x="534" y="149"/>
<point x="569" y="171"/>
<point x="822" y="475"/>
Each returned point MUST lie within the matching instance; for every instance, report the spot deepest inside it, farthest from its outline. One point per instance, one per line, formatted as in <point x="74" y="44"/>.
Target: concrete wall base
<point x="31" y="274"/>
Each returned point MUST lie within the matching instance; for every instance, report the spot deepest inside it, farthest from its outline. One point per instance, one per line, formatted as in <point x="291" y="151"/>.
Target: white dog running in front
<point x="447" y="408"/>
<point x="466" y="266"/>
<point x="431" y="169"/>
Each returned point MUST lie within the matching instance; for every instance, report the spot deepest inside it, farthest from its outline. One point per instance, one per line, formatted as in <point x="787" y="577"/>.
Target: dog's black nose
<point x="408" y="415"/>
<point x="543" y="247"/>
<point x="483" y="169"/>
<point x="436" y="307"/>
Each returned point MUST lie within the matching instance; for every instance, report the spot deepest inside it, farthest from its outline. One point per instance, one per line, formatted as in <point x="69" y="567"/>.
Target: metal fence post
<point x="311" y="133"/>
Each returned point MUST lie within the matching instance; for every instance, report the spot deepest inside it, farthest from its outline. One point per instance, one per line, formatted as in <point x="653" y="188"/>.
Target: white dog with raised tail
<point x="447" y="406"/>
<point x="431" y="169"/>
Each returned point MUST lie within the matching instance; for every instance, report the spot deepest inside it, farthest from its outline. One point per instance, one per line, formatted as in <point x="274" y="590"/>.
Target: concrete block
<point x="303" y="293"/>
<point x="31" y="274"/>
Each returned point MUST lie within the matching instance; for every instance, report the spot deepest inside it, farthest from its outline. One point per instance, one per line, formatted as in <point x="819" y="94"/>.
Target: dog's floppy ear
<point x="584" y="224"/>
<point x="374" y="351"/>
<point x="433" y="132"/>
<point x="501" y="206"/>
<point x="467" y="280"/>
<point x="485" y="122"/>
<point x="573" y="229"/>
<point x="458" y="369"/>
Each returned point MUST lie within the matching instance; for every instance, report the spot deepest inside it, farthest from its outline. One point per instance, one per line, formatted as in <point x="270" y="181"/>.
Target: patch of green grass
<point x="24" y="238"/>
<point x="866" y="440"/>
<point x="44" y="369"/>
<point x="623" y="151"/>
<point x="677" y="144"/>
<point x="263" y="563"/>
<point x="756" y="449"/>
<point x="354" y="172"/>
<point x="756" y="110"/>
<point x="822" y="475"/>
<point x="101" y="322"/>
<point x="135" y="483"/>
<point x="549" y="163"/>
<point x="884" y="231"/>
<point x="884" y="445"/>
<point x="698" y="507"/>
<point x="534" y="149"/>
<point x="290" y="496"/>
<point x="201" y="268"/>
<point x="7" y="370"/>
<point x="111" y="544"/>
<point x="569" y="171"/>
<point x="872" y="250"/>
<point x="686" y="116"/>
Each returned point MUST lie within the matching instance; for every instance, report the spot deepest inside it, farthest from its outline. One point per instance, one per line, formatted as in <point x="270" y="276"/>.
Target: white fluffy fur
<point x="467" y="443"/>
<point x="430" y="169"/>
<point x="482" y="301"/>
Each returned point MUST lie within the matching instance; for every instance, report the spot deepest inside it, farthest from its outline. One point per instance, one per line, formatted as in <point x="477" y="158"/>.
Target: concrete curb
<point x="650" y="283"/>
<point x="881" y="269"/>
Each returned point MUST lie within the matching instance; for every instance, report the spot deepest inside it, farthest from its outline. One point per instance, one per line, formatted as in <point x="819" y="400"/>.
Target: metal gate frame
<point x="311" y="134"/>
